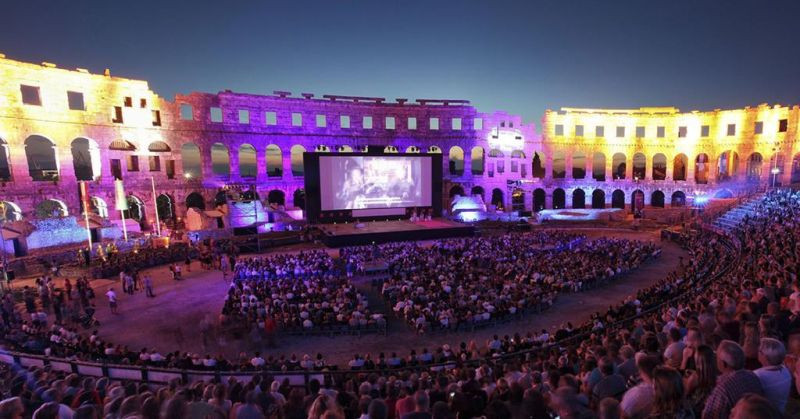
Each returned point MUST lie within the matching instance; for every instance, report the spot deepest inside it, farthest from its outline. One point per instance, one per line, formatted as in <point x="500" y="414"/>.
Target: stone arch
<point x="98" y="207"/>
<point x="559" y="199"/>
<point x="274" y="161"/>
<point x="657" y="199"/>
<point x="434" y="149"/>
<point x="322" y="148"/>
<point x="539" y="199"/>
<point x="754" y="166"/>
<point x="517" y="154"/>
<point x="51" y="208"/>
<point x="195" y="200"/>
<point x="637" y="200"/>
<point x="795" y="176"/>
<point x="497" y="198"/>
<point x="727" y="166"/>
<point x="159" y="146"/>
<point x="679" y="164"/>
<point x="477" y="160"/>
<point x="618" y="168"/>
<point x="297" y="160"/>
<point x="192" y="161"/>
<point x="701" y="168"/>
<point x="299" y="198"/>
<point x="659" y="166"/>
<point x="618" y="199"/>
<point x="538" y="165"/>
<point x="136" y="209"/>
<point x="599" y="166"/>
<point x="578" y="199"/>
<point x="276" y="196"/>
<point x="678" y="199"/>
<point x="776" y="164"/>
<point x="42" y="158"/>
<point x="518" y="200"/>
<point x="456" y="190"/>
<point x="85" y="159"/>
<point x="559" y="169"/>
<point x="10" y="211"/>
<point x="456" y="161"/>
<point x="477" y="190"/>
<point x="412" y="149"/>
<point x="165" y="206"/>
<point x="390" y="149"/>
<point x="639" y="166"/>
<point x="220" y="160"/>
<point x="5" y="167"/>
<point x="344" y="148"/>
<point x="248" y="167"/>
<point x="496" y="153"/>
<point x="598" y="199"/>
<point x="578" y="165"/>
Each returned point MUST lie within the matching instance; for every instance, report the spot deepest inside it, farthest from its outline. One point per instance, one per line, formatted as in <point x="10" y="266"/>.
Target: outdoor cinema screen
<point x="370" y="182"/>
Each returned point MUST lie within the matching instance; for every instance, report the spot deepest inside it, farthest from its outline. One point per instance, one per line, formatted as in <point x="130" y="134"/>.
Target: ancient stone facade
<point x="58" y="127"/>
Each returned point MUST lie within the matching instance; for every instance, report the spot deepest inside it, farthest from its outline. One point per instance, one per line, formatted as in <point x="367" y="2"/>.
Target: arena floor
<point x="180" y="307"/>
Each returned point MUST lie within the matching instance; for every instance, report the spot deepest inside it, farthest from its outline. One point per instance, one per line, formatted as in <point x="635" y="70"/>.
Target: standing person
<point x="112" y="300"/>
<point x="188" y="262"/>
<point x="177" y="271"/>
<point x="148" y="286"/>
<point x="223" y="266"/>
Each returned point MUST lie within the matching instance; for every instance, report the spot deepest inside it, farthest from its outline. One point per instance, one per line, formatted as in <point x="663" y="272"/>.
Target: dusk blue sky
<point x="519" y="56"/>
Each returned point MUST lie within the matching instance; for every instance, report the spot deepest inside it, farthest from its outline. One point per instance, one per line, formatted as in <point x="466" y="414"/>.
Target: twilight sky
<point x="519" y="56"/>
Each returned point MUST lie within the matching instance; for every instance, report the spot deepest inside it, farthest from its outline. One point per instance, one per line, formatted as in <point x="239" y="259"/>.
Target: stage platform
<point x="350" y="234"/>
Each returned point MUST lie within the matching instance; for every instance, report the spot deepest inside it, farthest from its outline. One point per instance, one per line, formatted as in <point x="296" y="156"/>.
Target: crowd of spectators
<point x="462" y="283"/>
<point x="296" y="292"/>
<point x="717" y="338"/>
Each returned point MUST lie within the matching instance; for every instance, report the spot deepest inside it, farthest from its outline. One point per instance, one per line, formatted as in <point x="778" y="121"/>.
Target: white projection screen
<point x="374" y="182"/>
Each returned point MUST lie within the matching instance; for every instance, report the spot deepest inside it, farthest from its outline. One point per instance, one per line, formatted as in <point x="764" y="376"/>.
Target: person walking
<point x="112" y="300"/>
<point x="148" y="286"/>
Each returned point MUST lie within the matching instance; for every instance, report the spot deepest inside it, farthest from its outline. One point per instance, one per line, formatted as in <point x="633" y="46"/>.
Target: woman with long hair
<point x="670" y="399"/>
<point x="700" y="381"/>
<point x="750" y="342"/>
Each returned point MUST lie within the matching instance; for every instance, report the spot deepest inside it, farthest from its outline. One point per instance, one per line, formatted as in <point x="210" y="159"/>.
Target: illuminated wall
<point x="199" y="142"/>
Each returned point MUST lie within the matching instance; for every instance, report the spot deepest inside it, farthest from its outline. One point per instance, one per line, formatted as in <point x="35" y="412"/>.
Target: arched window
<point x="559" y="199"/>
<point x="679" y="165"/>
<point x="5" y="168"/>
<point x="248" y="168"/>
<point x="639" y="166"/>
<point x="796" y="168"/>
<point x="274" y="161"/>
<point x="659" y="166"/>
<point x="456" y="190"/>
<point x="299" y="198"/>
<point x="578" y="199"/>
<point x="344" y="149"/>
<point x="618" y="167"/>
<point x="754" y="164"/>
<point x="599" y="167"/>
<point x="297" y="160"/>
<point x="559" y="165"/>
<point x="678" y="199"/>
<point x="220" y="160"/>
<point x="477" y="160"/>
<point x="657" y="199"/>
<point x="477" y="191"/>
<point x="159" y="147"/>
<point x="85" y="159"/>
<point x="538" y="165"/>
<point x="10" y="211"/>
<point x="456" y="161"/>
<point x="598" y="199"/>
<point x="539" y="199"/>
<point x="166" y="207"/>
<point x="518" y="200"/>
<point x="727" y="166"/>
<point x="51" y="208"/>
<point x="195" y="200"/>
<point x="192" y="161"/>
<point x="701" y="166"/>
<point x="135" y="209"/>
<point x="277" y="197"/>
<point x="497" y="198"/>
<point x="618" y="199"/>
<point x="434" y="149"/>
<point x="99" y="207"/>
<point x="578" y="165"/>
<point x="412" y="149"/>
<point x="42" y="160"/>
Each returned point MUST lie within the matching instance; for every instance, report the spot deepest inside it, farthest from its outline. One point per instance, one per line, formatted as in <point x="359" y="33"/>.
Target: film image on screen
<point x="367" y="182"/>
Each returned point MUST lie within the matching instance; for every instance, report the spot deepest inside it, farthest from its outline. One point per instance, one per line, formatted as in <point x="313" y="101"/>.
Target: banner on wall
<point x="121" y="203"/>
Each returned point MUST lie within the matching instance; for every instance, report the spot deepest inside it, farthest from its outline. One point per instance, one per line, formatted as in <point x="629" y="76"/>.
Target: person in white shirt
<point x="257" y="361"/>
<point x="776" y="380"/>
<point x="112" y="300"/>
<point x="638" y="400"/>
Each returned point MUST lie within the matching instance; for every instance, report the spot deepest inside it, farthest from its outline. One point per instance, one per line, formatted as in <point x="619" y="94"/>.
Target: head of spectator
<point x="753" y="406"/>
<point x="730" y="357"/>
<point x="669" y="394"/>
<point x="771" y="352"/>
